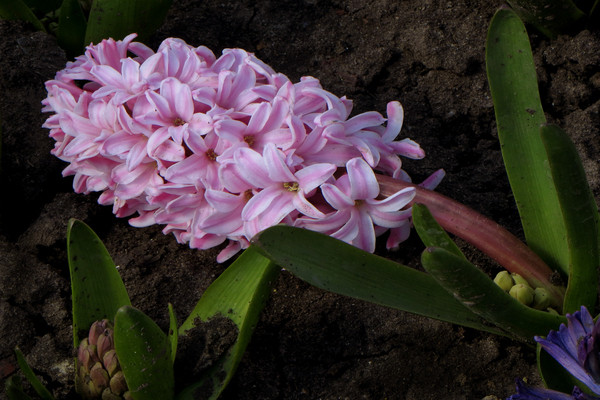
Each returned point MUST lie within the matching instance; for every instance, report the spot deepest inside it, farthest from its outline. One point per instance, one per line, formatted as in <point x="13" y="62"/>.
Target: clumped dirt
<point x="309" y="344"/>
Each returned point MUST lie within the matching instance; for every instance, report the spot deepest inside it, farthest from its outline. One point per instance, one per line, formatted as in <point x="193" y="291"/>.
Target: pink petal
<point x="365" y="239"/>
<point x="260" y="202"/>
<point x="251" y="167"/>
<point x="313" y="176"/>
<point x="335" y="197"/>
<point x="276" y="166"/>
<point x="363" y="183"/>
<point x="363" y="120"/>
<point x="395" y="115"/>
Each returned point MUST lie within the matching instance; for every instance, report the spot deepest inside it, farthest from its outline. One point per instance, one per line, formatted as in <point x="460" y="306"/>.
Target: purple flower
<point x="218" y="149"/>
<point x="525" y="392"/>
<point x="576" y="348"/>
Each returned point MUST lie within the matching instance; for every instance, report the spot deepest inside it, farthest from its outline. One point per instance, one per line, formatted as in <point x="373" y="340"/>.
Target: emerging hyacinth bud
<point x="519" y="279"/>
<point x="523" y="293"/>
<point x="541" y="299"/>
<point x="504" y="280"/>
<point x="99" y="374"/>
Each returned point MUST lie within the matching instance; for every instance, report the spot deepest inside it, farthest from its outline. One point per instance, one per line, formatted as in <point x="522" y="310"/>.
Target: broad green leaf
<point x="338" y="267"/>
<point x="96" y="286"/>
<point x="118" y="18"/>
<point x="173" y="333"/>
<point x="26" y="370"/>
<point x="551" y="17"/>
<point x="519" y="113"/>
<point x="430" y="232"/>
<point x="580" y="217"/>
<point x="71" y="29"/>
<point x="477" y="292"/>
<point x="14" y="389"/>
<point x="555" y="376"/>
<point x="16" y="10"/>
<point x="144" y="352"/>
<point x="42" y="7"/>
<point x="240" y="293"/>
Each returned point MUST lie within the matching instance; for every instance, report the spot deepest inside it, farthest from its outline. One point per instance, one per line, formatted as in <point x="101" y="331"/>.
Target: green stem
<point x="481" y="232"/>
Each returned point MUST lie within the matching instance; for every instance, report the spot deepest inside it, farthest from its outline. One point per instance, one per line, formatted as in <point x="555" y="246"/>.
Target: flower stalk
<point x="483" y="233"/>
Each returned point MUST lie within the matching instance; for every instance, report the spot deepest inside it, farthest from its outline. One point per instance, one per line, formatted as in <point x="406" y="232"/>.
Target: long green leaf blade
<point x="42" y="7"/>
<point x="144" y="352"/>
<point x="430" y="232"/>
<point x="37" y="385"/>
<point x="580" y="217"/>
<point x="118" y="18"/>
<point x="97" y="289"/>
<point x="16" y="10"/>
<point x="519" y="113"/>
<point x="476" y="291"/>
<point x="333" y="265"/>
<point x="14" y="389"/>
<point x="240" y="293"/>
<point x="173" y="332"/>
<point x="71" y="28"/>
<point x="551" y="17"/>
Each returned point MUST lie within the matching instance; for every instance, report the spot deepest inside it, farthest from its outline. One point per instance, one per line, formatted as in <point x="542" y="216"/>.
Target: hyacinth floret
<point x="218" y="149"/>
<point x="576" y="347"/>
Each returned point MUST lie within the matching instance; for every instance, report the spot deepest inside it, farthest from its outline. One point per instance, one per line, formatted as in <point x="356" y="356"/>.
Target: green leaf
<point x="240" y="293"/>
<point x="118" y="18"/>
<point x="43" y="7"/>
<point x="144" y="352"/>
<point x="551" y="17"/>
<point x="476" y="291"/>
<point x="430" y="232"/>
<point x="16" y="10"/>
<point x="555" y="376"/>
<point x="580" y="217"/>
<point x="519" y="113"/>
<point x="97" y="289"/>
<point x="37" y="385"/>
<point x="71" y="29"/>
<point x="14" y="390"/>
<point x="333" y="265"/>
<point x="173" y="333"/>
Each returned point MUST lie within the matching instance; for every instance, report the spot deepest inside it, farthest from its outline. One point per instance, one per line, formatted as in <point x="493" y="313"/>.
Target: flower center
<point x="211" y="155"/>
<point x="358" y="203"/>
<point x="178" y="121"/>
<point x="291" y="186"/>
<point x="248" y="193"/>
<point x="249" y="139"/>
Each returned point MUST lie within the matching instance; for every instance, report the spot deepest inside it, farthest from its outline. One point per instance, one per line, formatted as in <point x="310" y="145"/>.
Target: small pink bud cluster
<point x="219" y="149"/>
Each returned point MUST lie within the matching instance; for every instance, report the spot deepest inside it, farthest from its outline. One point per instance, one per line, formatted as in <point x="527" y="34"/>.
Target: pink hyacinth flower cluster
<point x="221" y="148"/>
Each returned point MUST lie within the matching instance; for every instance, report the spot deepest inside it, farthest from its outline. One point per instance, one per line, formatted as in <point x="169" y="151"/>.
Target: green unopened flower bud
<point x="522" y="293"/>
<point x="519" y="279"/>
<point x="96" y="330"/>
<point x="99" y="379"/>
<point x="541" y="299"/>
<point x="504" y="280"/>
<point x="118" y="385"/>
<point x="552" y="311"/>
<point x="105" y="342"/>
<point x="98" y="368"/>
<point x="111" y="362"/>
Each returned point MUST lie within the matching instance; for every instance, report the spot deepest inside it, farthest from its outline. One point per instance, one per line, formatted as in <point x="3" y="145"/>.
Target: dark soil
<point x="309" y="344"/>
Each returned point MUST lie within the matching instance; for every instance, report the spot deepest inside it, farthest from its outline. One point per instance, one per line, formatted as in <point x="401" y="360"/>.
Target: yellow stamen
<point x="291" y="186"/>
<point x="178" y="121"/>
<point x="211" y="155"/>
